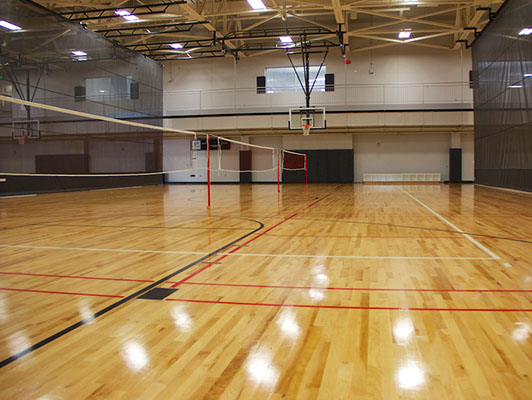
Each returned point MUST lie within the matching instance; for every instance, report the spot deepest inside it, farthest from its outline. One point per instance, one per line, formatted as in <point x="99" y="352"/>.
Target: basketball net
<point x="306" y="129"/>
<point x="22" y="139"/>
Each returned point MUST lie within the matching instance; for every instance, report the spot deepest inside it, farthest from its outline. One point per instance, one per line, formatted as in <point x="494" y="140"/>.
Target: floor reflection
<point x="260" y="368"/>
<point x="410" y="375"/>
<point x="135" y="355"/>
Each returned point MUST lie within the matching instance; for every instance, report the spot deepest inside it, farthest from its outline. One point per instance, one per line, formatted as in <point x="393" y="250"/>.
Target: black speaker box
<point x="80" y="93"/>
<point x="261" y="84"/>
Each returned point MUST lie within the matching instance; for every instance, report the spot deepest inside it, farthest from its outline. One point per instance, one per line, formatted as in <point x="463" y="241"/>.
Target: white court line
<point x="14" y="246"/>
<point x="18" y="195"/>
<point x="354" y="257"/>
<point x="116" y="188"/>
<point x="201" y="253"/>
<point x="472" y="240"/>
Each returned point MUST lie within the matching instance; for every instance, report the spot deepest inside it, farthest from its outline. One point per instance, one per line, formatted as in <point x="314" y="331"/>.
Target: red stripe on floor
<point x="232" y="251"/>
<point x="76" y="277"/>
<point x="362" y="289"/>
<point x="352" y="307"/>
<point x="56" y="292"/>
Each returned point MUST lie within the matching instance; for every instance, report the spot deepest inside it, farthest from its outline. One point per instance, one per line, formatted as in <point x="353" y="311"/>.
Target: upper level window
<point x="109" y="86"/>
<point x="284" y="79"/>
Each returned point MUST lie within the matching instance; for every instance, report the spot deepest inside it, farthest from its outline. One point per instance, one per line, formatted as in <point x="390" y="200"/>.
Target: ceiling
<point x="212" y="28"/>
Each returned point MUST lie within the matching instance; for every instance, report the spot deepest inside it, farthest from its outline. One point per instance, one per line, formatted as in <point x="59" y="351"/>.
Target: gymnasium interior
<point x="265" y="199"/>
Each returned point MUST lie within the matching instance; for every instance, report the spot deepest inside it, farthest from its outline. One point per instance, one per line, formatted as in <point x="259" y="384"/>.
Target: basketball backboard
<point x="306" y="118"/>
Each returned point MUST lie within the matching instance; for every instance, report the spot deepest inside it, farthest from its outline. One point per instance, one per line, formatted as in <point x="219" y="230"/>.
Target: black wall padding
<point x="502" y="61"/>
<point x="62" y="164"/>
<point x="44" y="184"/>
<point x="455" y="165"/>
<point x="261" y="84"/>
<point x="324" y="166"/>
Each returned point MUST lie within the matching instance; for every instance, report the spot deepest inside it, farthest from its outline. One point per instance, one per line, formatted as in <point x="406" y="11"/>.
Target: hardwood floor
<point x="340" y="292"/>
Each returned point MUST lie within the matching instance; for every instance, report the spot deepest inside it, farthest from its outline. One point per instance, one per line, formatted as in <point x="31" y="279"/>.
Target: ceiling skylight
<point x="10" y="26"/>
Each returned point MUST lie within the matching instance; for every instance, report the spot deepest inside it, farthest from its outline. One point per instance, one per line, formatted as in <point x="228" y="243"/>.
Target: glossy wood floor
<point x="341" y="292"/>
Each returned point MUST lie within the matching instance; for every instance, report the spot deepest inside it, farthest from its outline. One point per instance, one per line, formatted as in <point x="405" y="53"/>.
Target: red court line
<point x="249" y="241"/>
<point x="352" y="307"/>
<point x="363" y="289"/>
<point x="55" y="292"/>
<point x="324" y="197"/>
<point x="232" y="251"/>
<point x="76" y="277"/>
<point x="378" y="237"/>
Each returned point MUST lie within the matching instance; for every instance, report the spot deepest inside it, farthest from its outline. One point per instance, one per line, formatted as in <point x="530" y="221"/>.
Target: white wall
<point x="373" y="153"/>
<point x="231" y="87"/>
<point x="391" y="65"/>
<point x="401" y="154"/>
<point x="318" y="142"/>
<point x="228" y="84"/>
<point x="21" y="157"/>
<point x="177" y="156"/>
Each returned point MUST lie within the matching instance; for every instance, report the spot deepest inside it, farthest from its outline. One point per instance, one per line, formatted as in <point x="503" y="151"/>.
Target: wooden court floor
<point x="338" y="292"/>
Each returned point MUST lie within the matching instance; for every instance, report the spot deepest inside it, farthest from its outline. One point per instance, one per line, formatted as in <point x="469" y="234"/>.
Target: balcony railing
<point x="344" y="97"/>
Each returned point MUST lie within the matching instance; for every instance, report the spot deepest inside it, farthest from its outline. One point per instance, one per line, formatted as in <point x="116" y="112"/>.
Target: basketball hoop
<point x="22" y="139"/>
<point x="306" y="129"/>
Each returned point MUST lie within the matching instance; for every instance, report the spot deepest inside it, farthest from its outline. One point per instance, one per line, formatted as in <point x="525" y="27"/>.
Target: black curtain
<point x="502" y="81"/>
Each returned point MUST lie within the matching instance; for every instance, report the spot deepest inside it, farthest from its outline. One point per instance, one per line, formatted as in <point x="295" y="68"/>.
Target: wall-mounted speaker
<point x="261" y="84"/>
<point x="80" y="93"/>
<point x="473" y="79"/>
<point x="134" y="91"/>
<point x="329" y="82"/>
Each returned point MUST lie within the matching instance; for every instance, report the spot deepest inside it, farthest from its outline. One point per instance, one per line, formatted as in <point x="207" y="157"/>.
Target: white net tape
<point x="265" y="158"/>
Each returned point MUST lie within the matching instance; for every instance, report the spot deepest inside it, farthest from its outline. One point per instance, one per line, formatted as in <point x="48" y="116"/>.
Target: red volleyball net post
<point x="208" y="173"/>
<point x="278" y="171"/>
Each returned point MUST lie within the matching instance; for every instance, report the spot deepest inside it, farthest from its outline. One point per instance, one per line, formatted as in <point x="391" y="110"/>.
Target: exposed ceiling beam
<point x="193" y="15"/>
<point x="472" y="22"/>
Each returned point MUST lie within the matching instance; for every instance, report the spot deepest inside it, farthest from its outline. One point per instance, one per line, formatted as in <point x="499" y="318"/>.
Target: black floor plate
<point x="157" y="294"/>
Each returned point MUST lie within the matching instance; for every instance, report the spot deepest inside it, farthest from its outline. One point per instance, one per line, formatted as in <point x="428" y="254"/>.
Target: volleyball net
<point x="41" y="140"/>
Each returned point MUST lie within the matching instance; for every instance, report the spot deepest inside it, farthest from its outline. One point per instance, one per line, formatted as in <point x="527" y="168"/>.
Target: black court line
<point x="417" y="227"/>
<point x="111" y="307"/>
<point x="58" y="222"/>
<point x="136" y="227"/>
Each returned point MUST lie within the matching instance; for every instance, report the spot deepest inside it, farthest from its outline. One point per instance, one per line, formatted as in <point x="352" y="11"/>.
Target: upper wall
<point x="396" y="78"/>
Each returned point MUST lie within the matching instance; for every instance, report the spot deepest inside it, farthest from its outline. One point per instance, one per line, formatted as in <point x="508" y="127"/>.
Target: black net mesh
<point x="502" y="72"/>
<point x="54" y="62"/>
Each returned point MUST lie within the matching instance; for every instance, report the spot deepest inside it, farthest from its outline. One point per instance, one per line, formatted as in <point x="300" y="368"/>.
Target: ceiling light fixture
<point x="176" y="45"/>
<point x="10" y="26"/>
<point x="131" y="18"/>
<point x="286" y="39"/>
<point x="79" y="53"/>
<point x="515" y="86"/>
<point x="122" y="13"/>
<point x="257" y="4"/>
<point x="404" y="34"/>
<point x="527" y="75"/>
<point x="125" y="14"/>
<point x="525" y="31"/>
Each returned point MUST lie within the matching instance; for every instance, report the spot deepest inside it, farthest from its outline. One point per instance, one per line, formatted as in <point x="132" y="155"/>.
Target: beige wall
<point x="424" y="140"/>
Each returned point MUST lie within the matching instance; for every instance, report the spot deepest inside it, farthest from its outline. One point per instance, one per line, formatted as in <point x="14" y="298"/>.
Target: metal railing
<point x="344" y="97"/>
